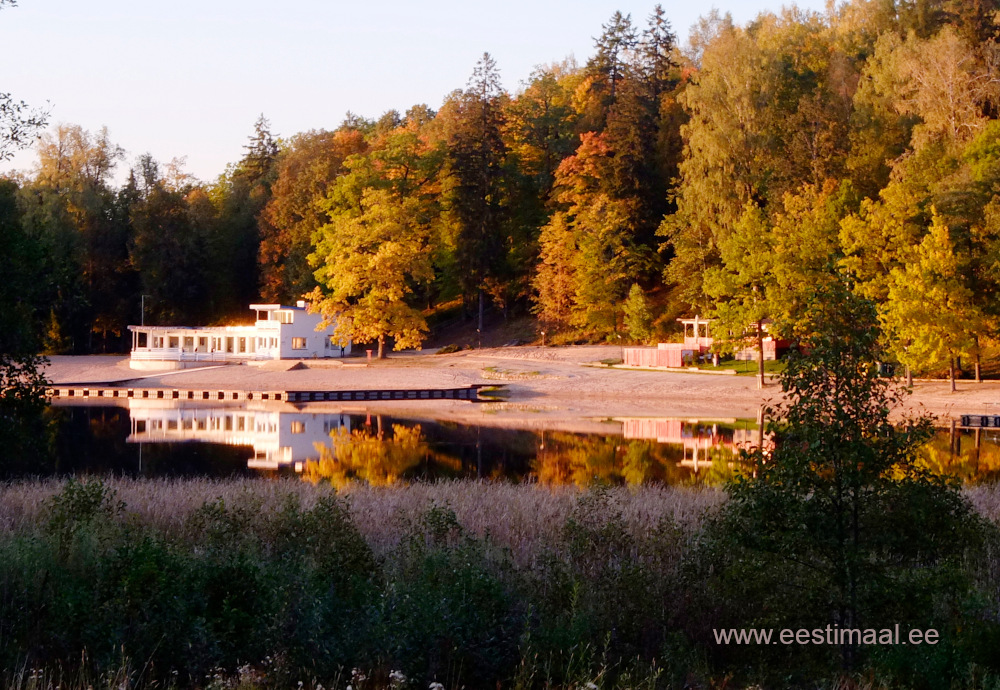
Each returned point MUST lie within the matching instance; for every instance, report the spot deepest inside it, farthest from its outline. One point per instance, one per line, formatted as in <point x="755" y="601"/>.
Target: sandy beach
<point x="546" y="387"/>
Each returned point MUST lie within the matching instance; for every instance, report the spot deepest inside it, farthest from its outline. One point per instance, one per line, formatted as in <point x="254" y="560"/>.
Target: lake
<point x="162" y="438"/>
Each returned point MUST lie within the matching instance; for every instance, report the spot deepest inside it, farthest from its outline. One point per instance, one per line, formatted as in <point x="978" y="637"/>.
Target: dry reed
<point x="518" y="517"/>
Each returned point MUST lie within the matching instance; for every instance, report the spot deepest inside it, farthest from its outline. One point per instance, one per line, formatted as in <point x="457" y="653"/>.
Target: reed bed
<point x="518" y="517"/>
<point x="248" y="583"/>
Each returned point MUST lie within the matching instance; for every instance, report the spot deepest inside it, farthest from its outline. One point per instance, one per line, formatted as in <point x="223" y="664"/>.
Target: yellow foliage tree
<point x="368" y="258"/>
<point x="929" y="314"/>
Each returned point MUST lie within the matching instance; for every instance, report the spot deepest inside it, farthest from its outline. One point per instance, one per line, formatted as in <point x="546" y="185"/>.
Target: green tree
<point x="769" y="110"/>
<point x="476" y="195"/>
<point x="72" y="209"/>
<point x="638" y="316"/>
<point x="929" y="314"/>
<point x="22" y="382"/>
<point x="610" y="64"/>
<point x="240" y="196"/>
<point x="838" y="525"/>
<point x="744" y="286"/>
<point x="368" y="259"/>
<point x="172" y="247"/>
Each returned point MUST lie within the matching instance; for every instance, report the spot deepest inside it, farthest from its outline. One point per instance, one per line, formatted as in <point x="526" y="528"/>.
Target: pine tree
<point x="476" y="197"/>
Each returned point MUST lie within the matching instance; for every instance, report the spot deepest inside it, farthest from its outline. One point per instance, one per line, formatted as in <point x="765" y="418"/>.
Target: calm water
<point x="380" y="449"/>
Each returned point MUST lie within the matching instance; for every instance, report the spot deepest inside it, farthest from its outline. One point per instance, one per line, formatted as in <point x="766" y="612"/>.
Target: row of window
<point x="229" y="344"/>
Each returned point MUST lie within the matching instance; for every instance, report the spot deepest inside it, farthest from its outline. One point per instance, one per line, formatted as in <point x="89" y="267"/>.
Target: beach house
<point x="279" y="332"/>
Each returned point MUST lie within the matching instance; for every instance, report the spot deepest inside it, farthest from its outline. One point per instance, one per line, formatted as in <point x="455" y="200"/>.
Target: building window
<point x="175" y="341"/>
<point x="243" y="344"/>
<point x="281" y="316"/>
<point x="298" y="343"/>
<point x="202" y="343"/>
<point x="188" y="342"/>
<point x="298" y="428"/>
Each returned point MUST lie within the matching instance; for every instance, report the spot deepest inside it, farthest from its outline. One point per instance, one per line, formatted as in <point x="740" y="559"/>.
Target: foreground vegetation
<point x="265" y="584"/>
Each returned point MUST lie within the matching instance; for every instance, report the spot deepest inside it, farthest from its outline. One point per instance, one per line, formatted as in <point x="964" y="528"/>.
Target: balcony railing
<point x="176" y="354"/>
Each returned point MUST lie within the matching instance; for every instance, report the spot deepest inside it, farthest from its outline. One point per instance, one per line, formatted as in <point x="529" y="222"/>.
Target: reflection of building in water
<point x="697" y="438"/>
<point x="279" y="439"/>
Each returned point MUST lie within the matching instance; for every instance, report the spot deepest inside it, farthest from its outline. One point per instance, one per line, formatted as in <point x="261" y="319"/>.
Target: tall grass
<point x="522" y="518"/>
<point x="251" y="584"/>
<point x="466" y="584"/>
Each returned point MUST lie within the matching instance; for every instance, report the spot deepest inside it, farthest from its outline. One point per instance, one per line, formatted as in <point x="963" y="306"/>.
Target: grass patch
<point x="494" y="392"/>
<point x="745" y="368"/>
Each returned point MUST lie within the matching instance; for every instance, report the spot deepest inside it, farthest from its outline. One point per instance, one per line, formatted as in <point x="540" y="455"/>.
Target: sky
<point x="189" y="78"/>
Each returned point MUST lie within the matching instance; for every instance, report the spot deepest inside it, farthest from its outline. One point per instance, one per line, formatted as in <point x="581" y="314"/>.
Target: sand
<point x="546" y="387"/>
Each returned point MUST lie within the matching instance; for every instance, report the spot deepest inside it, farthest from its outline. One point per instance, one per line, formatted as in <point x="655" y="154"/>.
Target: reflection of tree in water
<point x="376" y="457"/>
<point x="565" y="458"/>
<point x="971" y="456"/>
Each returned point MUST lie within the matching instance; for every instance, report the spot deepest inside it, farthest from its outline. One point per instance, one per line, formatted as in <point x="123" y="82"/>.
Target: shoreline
<point x="544" y="387"/>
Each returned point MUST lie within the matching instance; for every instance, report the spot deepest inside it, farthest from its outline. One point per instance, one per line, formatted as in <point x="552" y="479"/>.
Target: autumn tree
<point x="305" y="171"/>
<point x="540" y="125"/>
<point x="929" y="313"/>
<point x="768" y="111"/>
<point x="589" y="254"/>
<point x="368" y="258"/>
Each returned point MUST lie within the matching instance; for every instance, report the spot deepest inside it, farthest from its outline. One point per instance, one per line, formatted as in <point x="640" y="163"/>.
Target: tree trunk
<point x="909" y="377"/>
<point x="951" y="373"/>
<point x="381" y="347"/>
<point x="760" y="354"/>
<point x="979" y="373"/>
<point x="760" y="429"/>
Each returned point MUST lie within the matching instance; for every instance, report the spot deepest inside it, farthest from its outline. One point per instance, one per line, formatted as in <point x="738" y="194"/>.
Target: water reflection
<point x="375" y="456"/>
<point x="155" y="438"/>
<point x="278" y="439"/>
<point x="970" y="455"/>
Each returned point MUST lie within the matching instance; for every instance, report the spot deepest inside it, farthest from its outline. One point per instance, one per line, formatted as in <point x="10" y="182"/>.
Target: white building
<point x="279" y="332"/>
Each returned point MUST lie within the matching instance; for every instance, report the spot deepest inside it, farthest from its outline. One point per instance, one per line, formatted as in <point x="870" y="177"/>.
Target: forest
<point x="729" y="177"/>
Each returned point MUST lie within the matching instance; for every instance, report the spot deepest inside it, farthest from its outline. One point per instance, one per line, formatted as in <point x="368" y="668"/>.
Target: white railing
<point x="176" y="354"/>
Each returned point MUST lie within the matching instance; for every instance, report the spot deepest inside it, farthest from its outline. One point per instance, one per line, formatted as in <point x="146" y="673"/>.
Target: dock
<point x="112" y="393"/>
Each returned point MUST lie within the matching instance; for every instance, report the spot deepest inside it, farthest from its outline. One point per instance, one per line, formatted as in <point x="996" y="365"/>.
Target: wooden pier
<point x="95" y="392"/>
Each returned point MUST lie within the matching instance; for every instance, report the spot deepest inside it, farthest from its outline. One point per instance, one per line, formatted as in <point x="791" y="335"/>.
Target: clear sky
<point x="190" y="77"/>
